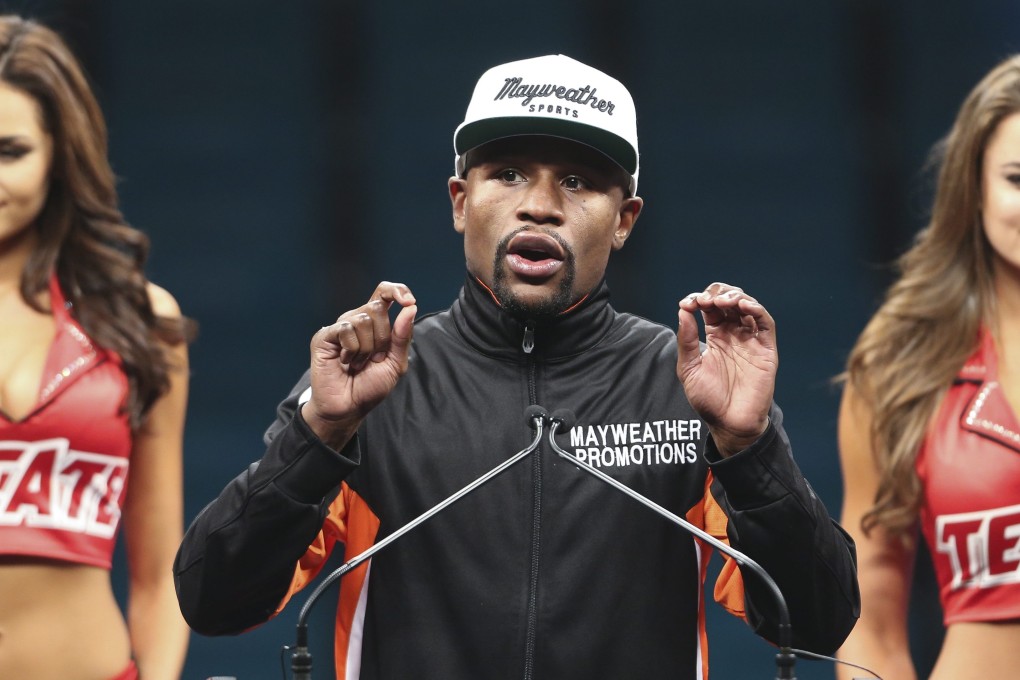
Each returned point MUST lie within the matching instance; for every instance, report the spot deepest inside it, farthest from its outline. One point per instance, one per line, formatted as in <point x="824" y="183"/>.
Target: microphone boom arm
<point x="301" y="659"/>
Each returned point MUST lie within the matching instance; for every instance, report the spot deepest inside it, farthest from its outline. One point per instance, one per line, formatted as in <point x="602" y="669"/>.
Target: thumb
<point x="403" y="330"/>
<point x="687" y="341"/>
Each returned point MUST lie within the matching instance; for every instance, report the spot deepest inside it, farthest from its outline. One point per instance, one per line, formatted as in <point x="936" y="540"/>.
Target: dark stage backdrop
<point x="286" y="156"/>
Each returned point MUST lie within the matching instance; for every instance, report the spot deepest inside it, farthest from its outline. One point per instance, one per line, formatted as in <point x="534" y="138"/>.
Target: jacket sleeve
<point x="237" y="559"/>
<point x="775" y="518"/>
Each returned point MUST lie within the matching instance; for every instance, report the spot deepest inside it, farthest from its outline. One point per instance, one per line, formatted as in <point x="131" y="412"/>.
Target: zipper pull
<point x="529" y="336"/>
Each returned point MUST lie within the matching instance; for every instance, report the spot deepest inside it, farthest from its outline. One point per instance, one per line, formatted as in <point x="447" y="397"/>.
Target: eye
<point x="575" y="183"/>
<point x="1013" y="178"/>
<point x="12" y="152"/>
<point x="510" y="175"/>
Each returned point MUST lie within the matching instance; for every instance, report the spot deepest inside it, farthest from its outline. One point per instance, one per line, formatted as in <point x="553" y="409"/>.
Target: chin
<point x="532" y="303"/>
<point x="543" y="298"/>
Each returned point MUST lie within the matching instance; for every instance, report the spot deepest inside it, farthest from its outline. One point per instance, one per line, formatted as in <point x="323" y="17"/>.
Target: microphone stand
<point x="785" y="658"/>
<point x="301" y="659"/>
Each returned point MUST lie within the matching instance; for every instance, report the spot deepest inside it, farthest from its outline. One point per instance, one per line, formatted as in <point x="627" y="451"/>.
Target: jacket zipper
<point x="527" y="346"/>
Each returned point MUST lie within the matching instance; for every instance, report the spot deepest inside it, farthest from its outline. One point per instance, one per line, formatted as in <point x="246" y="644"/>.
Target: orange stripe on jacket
<point x="352" y="523"/>
<point x="729" y="586"/>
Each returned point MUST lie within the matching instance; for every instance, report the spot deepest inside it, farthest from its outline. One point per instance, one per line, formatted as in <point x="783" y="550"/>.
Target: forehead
<point x="1004" y="144"/>
<point x="19" y="113"/>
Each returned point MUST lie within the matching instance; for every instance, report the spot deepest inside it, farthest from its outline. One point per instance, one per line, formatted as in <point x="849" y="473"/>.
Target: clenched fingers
<point x="365" y="334"/>
<point x="390" y="292"/>
<point x="722" y="304"/>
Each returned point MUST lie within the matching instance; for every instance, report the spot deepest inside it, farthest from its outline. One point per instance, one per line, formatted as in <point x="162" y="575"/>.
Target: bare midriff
<point x="59" y="621"/>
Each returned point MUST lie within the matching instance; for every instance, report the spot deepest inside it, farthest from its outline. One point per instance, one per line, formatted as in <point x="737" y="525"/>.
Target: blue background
<point x="286" y="156"/>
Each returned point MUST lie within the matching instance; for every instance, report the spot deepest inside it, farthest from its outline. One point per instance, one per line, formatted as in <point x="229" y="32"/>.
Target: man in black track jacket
<point x="545" y="572"/>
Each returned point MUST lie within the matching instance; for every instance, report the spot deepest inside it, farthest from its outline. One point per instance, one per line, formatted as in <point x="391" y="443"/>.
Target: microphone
<point x="301" y="659"/>
<point x="536" y="416"/>
<point x="563" y="419"/>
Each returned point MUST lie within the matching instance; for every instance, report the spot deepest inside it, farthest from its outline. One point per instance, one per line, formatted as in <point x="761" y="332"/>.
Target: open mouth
<point x="534" y="255"/>
<point x="535" y="247"/>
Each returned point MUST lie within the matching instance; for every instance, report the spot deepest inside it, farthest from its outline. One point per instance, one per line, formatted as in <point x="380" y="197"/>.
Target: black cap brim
<point x="487" y="130"/>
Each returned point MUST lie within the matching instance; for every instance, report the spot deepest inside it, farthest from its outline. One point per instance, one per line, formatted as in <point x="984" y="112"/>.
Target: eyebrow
<point x="569" y="166"/>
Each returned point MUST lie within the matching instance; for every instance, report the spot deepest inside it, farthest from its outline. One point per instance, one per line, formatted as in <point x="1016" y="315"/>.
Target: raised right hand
<point x="357" y="361"/>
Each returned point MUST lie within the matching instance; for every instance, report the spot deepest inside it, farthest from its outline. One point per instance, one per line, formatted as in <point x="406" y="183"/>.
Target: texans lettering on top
<point x="48" y="485"/>
<point x="983" y="547"/>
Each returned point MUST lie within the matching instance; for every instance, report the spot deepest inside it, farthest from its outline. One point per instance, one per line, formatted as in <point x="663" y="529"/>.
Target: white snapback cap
<point x="552" y="95"/>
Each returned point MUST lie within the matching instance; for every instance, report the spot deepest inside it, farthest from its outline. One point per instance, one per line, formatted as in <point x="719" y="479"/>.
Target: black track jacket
<point x="544" y="572"/>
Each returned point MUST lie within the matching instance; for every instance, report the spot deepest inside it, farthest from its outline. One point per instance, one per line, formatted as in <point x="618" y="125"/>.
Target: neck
<point x="1007" y="313"/>
<point x="1007" y="294"/>
<point x="14" y="254"/>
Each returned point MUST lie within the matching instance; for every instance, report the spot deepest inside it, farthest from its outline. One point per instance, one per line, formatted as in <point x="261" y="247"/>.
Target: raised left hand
<point x="731" y="383"/>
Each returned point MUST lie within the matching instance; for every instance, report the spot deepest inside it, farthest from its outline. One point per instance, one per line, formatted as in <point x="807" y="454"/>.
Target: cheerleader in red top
<point x="93" y="382"/>
<point x="928" y="431"/>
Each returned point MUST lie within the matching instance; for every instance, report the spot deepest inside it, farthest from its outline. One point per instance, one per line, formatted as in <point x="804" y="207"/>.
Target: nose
<point x="541" y="202"/>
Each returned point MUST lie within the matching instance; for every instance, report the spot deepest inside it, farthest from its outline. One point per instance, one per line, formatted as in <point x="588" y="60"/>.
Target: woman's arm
<point x="153" y="520"/>
<point x="884" y="564"/>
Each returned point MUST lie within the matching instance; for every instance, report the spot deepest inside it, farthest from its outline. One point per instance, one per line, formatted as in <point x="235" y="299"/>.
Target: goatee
<point x="560" y="301"/>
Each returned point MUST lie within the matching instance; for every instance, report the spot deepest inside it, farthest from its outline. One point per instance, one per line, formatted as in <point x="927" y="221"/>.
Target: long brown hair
<point x="929" y="323"/>
<point x="82" y="236"/>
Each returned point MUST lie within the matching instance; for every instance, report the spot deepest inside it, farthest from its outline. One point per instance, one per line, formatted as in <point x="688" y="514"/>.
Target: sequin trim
<point x="973" y="371"/>
<point x="974" y="420"/>
<point x="73" y="367"/>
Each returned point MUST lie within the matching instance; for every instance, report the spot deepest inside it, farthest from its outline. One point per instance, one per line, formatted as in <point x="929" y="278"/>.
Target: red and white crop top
<point x="63" y="467"/>
<point x="969" y="466"/>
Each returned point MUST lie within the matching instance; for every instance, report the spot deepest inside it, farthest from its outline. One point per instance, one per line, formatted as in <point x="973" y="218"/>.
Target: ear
<point x="630" y="209"/>
<point x="458" y="196"/>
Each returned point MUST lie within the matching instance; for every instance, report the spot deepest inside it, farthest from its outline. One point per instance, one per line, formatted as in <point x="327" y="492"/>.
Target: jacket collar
<point x="72" y="354"/>
<point x="988" y="412"/>
<point x="490" y="329"/>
